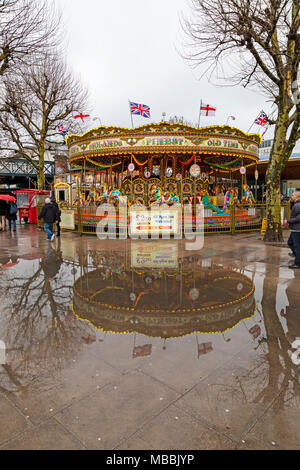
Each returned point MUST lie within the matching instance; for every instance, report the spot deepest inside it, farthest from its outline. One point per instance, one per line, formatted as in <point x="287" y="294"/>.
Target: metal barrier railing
<point x="239" y="218"/>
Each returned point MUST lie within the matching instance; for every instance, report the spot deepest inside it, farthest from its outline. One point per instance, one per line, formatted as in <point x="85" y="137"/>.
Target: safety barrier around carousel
<point x="236" y="218"/>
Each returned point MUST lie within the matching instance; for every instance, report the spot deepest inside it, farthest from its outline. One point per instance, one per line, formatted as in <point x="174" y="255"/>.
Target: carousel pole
<point x="256" y="178"/>
<point x="110" y="174"/>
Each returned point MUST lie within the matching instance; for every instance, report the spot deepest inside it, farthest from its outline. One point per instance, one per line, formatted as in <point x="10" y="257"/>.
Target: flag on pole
<point x="61" y="129"/>
<point x="207" y="110"/>
<point x="265" y="131"/>
<point x="255" y="331"/>
<point x="139" y="109"/>
<point x="262" y="119"/>
<point x="81" y="116"/>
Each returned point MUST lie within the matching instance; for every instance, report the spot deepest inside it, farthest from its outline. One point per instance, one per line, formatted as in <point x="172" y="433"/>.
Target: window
<point x="61" y="195"/>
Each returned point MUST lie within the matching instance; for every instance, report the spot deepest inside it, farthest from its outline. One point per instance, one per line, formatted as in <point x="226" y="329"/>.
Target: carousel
<point x="163" y="302"/>
<point x="172" y="164"/>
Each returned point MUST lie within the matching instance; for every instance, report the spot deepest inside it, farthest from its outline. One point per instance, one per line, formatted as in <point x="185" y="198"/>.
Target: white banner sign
<point x="156" y="221"/>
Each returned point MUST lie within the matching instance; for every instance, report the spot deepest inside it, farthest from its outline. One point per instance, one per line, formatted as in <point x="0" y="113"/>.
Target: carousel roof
<point x="224" y="147"/>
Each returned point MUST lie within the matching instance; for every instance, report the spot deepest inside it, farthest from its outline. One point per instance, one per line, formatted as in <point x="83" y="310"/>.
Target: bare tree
<point x="255" y="43"/>
<point x="28" y="30"/>
<point x="38" y="99"/>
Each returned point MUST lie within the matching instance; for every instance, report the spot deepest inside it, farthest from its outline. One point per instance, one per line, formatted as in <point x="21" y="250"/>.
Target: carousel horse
<point x="228" y="198"/>
<point x="207" y="205"/>
<point x="247" y="195"/>
<point x="115" y="193"/>
<point x="156" y="196"/>
<point x="81" y="199"/>
<point x="173" y="199"/>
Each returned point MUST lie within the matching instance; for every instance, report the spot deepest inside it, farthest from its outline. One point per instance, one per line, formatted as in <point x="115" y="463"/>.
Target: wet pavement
<point x="122" y="344"/>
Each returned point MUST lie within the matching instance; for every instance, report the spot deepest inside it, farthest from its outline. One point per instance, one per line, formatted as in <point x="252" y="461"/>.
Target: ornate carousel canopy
<point x="223" y="148"/>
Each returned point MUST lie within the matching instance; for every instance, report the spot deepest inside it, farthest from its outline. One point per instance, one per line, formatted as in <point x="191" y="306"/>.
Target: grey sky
<point x="126" y="49"/>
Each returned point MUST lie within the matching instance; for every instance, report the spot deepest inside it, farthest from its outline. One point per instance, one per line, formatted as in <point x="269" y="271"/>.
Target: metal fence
<point x="240" y="218"/>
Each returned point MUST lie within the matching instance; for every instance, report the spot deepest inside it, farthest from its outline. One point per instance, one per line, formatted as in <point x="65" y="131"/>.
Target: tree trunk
<point x="41" y="176"/>
<point x="273" y="212"/>
<point x="276" y="164"/>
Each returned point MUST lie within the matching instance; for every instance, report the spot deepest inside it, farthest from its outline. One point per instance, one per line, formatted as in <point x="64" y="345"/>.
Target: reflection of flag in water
<point x="139" y="351"/>
<point x="89" y="339"/>
<point x="255" y="331"/>
<point x="204" y="348"/>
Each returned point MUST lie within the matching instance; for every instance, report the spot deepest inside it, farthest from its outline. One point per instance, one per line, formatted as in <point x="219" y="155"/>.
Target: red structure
<point x="26" y="202"/>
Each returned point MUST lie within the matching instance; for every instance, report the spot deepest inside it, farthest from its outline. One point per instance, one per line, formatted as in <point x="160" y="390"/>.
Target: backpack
<point x="13" y="209"/>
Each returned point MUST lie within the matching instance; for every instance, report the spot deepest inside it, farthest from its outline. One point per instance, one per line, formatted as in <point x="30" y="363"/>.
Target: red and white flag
<point x="204" y="348"/>
<point x="207" y="110"/>
<point x="81" y="116"/>
<point x="262" y="119"/>
<point x="139" y="351"/>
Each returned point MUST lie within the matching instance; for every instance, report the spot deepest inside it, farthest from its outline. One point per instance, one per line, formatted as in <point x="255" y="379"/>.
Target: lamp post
<point x="95" y="118"/>
<point x="230" y="117"/>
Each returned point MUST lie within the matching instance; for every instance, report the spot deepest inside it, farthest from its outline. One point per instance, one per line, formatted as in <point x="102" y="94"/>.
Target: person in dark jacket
<point x="294" y="224"/>
<point x="50" y="215"/>
<point x="12" y="212"/>
<point x="53" y="200"/>
<point x="3" y="214"/>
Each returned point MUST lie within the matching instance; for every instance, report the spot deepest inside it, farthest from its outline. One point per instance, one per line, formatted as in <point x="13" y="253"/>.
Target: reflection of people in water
<point x="7" y="261"/>
<point x="51" y="263"/>
<point x="292" y="310"/>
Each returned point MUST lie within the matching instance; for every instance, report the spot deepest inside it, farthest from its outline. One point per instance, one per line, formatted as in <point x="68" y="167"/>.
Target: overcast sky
<point x="126" y="49"/>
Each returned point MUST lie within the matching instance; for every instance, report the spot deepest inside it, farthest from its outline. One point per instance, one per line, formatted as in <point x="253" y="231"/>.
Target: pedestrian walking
<point x="50" y="215"/>
<point x="11" y="215"/>
<point x="294" y="224"/>
<point x="53" y="200"/>
<point x="3" y="214"/>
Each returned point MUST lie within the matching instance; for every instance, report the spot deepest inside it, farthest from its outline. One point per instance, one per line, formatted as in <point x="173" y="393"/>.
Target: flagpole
<point x="199" y="113"/>
<point x="130" y="114"/>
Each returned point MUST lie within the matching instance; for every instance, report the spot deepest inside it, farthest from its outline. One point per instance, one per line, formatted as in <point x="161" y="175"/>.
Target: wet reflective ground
<point x="145" y="345"/>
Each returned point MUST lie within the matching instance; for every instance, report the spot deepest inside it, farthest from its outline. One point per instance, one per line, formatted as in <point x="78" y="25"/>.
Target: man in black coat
<point x="294" y="224"/>
<point x="50" y="215"/>
<point x="53" y="200"/>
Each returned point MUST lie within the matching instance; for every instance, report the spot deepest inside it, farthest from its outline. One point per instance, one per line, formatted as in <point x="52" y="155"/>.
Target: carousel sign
<point x="156" y="221"/>
<point x="163" y="141"/>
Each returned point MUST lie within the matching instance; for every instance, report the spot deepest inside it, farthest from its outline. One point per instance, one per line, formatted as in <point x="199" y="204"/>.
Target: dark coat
<point x="58" y="211"/>
<point x="294" y="221"/>
<point x="10" y="216"/>
<point x="49" y="213"/>
<point x="3" y="208"/>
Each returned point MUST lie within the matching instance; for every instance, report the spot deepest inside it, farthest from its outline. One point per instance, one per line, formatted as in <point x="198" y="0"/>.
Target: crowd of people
<point x="8" y="212"/>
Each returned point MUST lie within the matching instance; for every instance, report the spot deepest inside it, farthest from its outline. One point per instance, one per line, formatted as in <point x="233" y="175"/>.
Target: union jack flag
<point x="262" y="119"/>
<point x="255" y="331"/>
<point x="139" y="109"/>
<point x="61" y="129"/>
